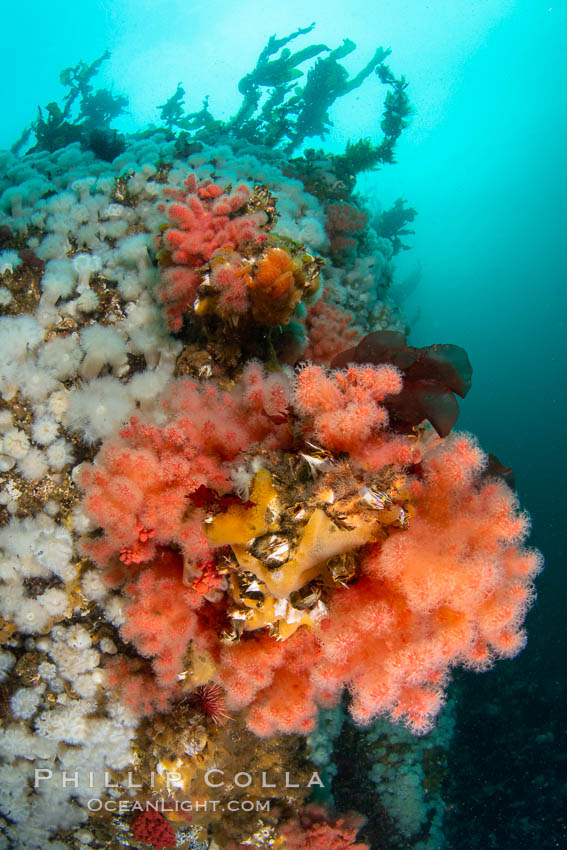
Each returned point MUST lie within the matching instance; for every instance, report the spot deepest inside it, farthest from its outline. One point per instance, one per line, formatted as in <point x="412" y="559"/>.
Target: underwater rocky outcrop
<point x="239" y="530"/>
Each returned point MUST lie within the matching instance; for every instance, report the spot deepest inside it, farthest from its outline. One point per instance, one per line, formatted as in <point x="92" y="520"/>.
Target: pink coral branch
<point x="203" y="220"/>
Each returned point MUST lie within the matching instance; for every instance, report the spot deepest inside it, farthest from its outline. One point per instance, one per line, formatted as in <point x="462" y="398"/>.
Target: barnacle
<point x="287" y="554"/>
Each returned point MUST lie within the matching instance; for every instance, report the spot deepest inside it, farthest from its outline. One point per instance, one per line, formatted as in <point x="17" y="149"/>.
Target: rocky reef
<point x="240" y="534"/>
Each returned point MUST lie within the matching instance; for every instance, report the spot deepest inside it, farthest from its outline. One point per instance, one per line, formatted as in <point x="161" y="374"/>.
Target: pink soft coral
<point x="204" y="219"/>
<point x="330" y="330"/>
<point x="344" y="410"/>
<point x="316" y="829"/>
<point x="139" y="488"/>
<point x="448" y="586"/>
<point x="161" y="619"/>
<point x="136" y="687"/>
<point x="273" y="679"/>
<point x="453" y="589"/>
<point x="343" y="222"/>
<point x="450" y="590"/>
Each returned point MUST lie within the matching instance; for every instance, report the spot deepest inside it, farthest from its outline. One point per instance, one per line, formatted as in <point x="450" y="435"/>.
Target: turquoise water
<point x="483" y="162"/>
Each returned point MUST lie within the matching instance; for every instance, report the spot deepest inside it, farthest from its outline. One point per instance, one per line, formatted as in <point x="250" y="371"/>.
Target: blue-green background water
<point x="484" y="163"/>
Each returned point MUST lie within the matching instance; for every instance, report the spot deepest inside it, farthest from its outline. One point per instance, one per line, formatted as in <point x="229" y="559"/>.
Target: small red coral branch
<point x="152" y="828"/>
<point x="208" y="581"/>
<point x="139" y="551"/>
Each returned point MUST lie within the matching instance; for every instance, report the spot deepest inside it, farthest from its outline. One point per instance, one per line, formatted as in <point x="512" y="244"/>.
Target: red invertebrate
<point x="330" y="330"/>
<point x="317" y="829"/>
<point x="152" y="828"/>
<point x="209" y="699"/>
<point x="208" y="581"/>
<point x="138" y="552"/>
<point x="344" y="221"/>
